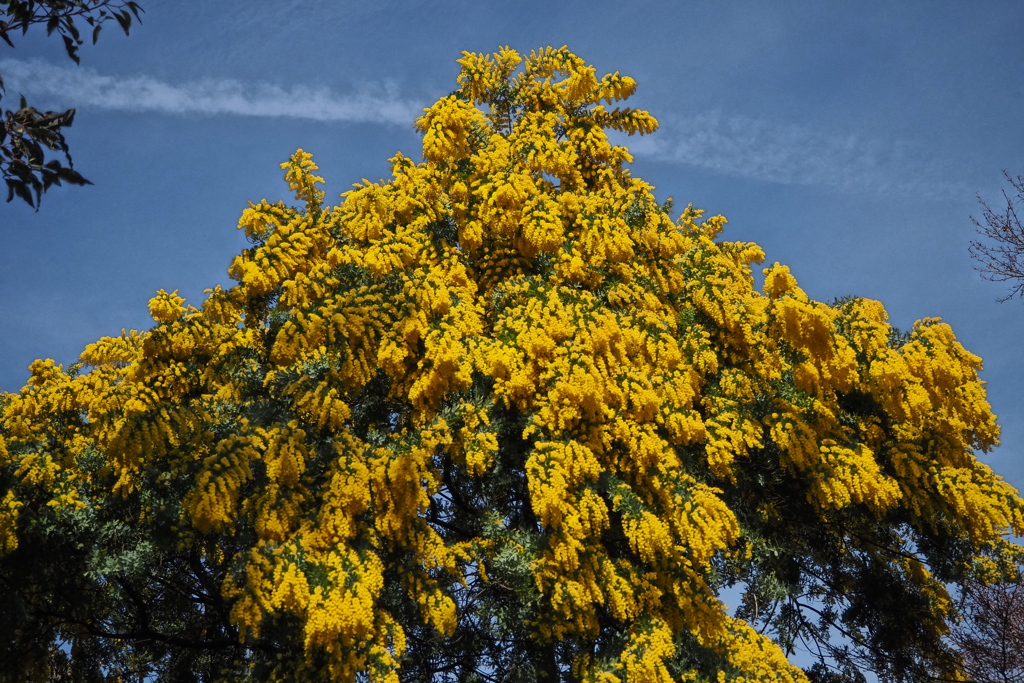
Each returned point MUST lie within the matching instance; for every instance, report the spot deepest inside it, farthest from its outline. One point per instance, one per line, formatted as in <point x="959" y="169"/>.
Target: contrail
<point x="796" y="155"/>
<point x="731" y="145"/>
<point x="82" y="87"/>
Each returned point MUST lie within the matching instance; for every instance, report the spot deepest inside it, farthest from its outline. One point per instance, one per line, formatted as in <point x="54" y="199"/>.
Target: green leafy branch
<point x="27" y="132"/>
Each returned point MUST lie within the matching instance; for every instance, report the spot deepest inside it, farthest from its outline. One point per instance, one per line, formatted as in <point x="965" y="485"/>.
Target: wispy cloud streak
<point x="732" y="145"/>
<point x="83" y="87"/>
<point x="797" y="155"/>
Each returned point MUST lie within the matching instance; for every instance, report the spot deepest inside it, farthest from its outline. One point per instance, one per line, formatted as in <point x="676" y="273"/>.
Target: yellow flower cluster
<point x="515" y="302"/>
<point x="643" y="660"/>
<point x="755" y="657"/>
<point x="8" y="522"/>
<point x="852" y="475"/>
<point x="166" y="307"/>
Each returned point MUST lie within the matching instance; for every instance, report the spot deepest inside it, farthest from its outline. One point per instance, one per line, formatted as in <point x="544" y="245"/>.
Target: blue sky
<point x="848" y="139"/>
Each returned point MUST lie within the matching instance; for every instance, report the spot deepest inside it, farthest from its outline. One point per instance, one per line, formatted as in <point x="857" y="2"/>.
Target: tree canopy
<point x="499" y="418"/>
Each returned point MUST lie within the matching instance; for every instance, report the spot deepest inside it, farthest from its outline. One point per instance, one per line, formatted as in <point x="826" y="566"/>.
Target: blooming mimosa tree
<point x="500" y="417"/>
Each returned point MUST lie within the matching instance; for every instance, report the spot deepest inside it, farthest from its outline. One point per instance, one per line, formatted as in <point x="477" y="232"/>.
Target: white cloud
<point x="83" y="87"/>
<point x="796" y="155"/>
<point x="732" y="145"/>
